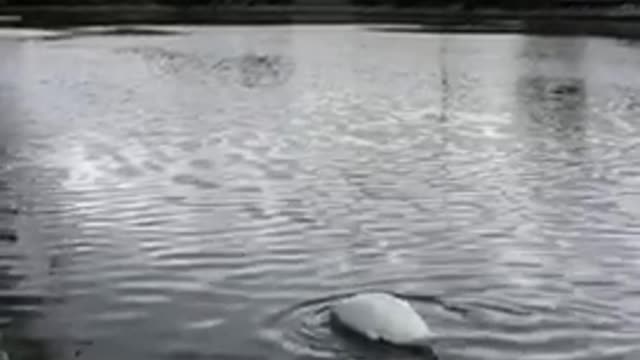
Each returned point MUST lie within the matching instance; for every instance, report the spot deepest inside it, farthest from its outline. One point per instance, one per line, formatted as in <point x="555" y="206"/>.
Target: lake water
<point x="206" y="194"/>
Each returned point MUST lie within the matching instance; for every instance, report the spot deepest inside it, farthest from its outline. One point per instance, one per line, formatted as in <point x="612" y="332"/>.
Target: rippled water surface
<point x="208" y="193"/>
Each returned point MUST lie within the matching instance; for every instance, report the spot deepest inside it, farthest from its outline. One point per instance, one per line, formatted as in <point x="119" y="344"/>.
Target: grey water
<point x="208" y="192"/>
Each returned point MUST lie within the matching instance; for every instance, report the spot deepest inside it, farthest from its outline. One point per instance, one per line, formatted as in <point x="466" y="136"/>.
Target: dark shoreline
<point x="558" y="22"/>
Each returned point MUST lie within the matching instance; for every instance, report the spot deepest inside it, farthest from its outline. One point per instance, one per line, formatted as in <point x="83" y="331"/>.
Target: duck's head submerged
<point x="385" y="318"/>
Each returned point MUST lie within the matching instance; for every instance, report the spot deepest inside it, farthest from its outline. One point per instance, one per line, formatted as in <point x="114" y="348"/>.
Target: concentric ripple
<point x="307" y="331"/>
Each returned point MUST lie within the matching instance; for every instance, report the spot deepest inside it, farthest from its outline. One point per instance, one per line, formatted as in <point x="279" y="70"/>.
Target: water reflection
<point x="553" y="106"/>
<point x="20" y="305"/>
<point x="553" y="93"/>
<point x="444" y="74"/>
<point x="569" y="206"/>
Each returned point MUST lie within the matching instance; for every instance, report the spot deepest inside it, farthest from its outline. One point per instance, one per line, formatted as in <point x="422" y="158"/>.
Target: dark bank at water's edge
<point x="563" y="22"/>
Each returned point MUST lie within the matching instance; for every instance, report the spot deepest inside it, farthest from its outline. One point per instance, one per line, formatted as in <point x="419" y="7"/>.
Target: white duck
<point x="382" y="317"/>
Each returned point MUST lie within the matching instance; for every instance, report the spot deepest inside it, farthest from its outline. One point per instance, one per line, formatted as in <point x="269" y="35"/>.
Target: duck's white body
<point x="382" y="316"/>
